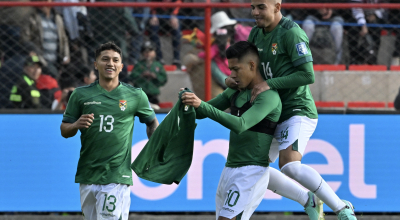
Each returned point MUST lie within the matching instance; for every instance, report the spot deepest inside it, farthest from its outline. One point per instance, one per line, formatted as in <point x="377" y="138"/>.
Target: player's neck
<point x="270" y="28"/>
<point x="257" y="79"/>
<point x="109" y="85"/>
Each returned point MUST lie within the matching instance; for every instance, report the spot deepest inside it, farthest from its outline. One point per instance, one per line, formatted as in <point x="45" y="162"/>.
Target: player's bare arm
<point x="70" y="129"/>
<point x="151" y="127"/>
<point x="191" y="99"/>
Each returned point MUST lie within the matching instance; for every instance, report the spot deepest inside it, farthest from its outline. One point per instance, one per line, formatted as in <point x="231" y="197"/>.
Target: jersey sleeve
<point x="264" y="104"/>
<point x="144" y="111"/>
<point x="304" y="75"/>
<point x="220" y="102"/>
<point x="73" y="110"/>
<point x="297" y="46"/>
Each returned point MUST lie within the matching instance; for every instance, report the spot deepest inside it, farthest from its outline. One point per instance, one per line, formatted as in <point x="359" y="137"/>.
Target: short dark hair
<point x="241" y="49"/>
<point x="81" y="71"/>
<point x="108" y="46"/>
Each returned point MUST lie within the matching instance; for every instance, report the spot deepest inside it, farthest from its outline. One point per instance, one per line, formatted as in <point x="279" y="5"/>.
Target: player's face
<point x="109" y="64"/>
<point x="240" y="72"/>
<point x="33" y="71"/>
<point x="264" y="12"/>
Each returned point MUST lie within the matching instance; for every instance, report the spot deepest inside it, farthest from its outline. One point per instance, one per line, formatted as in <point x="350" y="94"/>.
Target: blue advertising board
<point x="358" y="156"/>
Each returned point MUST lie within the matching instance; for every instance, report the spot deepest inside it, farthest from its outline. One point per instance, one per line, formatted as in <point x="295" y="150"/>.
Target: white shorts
<point x="111" y="201"/>
<point x="241" y="190"/>
<point x="295" y="131"/>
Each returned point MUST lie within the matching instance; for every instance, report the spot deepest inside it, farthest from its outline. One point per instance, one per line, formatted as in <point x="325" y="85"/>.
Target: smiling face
<point x="109" y="64"/>
<point x="242" y="72"/>
<point x="266" y="13"/>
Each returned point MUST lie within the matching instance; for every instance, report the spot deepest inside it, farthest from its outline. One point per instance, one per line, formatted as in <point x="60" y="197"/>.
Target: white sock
<point x="310" y="179"/>
<point x="282" y="185"/>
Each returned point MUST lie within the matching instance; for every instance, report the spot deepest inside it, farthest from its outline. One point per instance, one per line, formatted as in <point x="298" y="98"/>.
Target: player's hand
<point x="84" y="121"/>
<point x="259" y="88"/>
<point x="231" y="83"/>
<point x="174" y="22"/>
<point x="191" y="99"/>
<point x="364" y="30"/>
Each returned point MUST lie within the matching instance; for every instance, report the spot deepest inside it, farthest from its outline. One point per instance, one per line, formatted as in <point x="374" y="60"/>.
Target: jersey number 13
<point x="108" y="120"/>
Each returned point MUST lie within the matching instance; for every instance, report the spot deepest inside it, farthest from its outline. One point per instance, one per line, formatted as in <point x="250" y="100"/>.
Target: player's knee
<point x="291" y="169"/>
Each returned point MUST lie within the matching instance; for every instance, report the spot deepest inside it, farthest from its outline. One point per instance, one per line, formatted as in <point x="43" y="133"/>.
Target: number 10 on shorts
<point x="232" y="198"/>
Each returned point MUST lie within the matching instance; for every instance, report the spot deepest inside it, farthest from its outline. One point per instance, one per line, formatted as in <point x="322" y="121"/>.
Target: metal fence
<point x="64" y="40"/>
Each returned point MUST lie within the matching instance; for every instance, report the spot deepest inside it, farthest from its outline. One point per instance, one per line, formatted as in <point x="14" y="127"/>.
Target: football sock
<point x="310" y="179"/>
<point x="282" y="185"/>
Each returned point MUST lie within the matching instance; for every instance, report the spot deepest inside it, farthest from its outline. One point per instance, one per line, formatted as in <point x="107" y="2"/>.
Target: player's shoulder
<point x="270" y="93"/>
<point x="253" y="33"/>
<point x="84" y="89"/>
<point x="131" y="89"/>
<point x="288" y="24"/>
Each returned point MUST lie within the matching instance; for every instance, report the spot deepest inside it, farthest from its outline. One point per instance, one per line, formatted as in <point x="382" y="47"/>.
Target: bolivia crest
<point x="274" y="48"/>
<point x="122" y="104"/>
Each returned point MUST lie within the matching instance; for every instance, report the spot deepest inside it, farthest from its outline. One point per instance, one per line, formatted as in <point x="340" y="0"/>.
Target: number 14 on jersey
<point x="267" y="71"/>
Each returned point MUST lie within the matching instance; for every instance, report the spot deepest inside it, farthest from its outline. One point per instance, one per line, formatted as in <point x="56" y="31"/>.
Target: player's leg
<point x="88" y="201"/>
<point x="294" y="138"/>
<point x="113" y="202"/>
<point x="282" y="185"/>
<point x="243" y="191"/>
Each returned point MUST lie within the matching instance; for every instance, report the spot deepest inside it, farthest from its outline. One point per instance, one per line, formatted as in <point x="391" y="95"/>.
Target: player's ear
<point x="95" y="65"/>
<point x="277" y="7"/>
<point x="252" y="65"/>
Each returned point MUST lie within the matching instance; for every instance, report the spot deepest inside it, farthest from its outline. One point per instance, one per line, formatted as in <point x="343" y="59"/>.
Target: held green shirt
<point x="282" y="51"/>
<point x="105" y="155"/>
<point x="245" y="147"/>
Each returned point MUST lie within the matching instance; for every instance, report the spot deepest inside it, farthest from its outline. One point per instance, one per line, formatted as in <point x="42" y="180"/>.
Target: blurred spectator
<point x="11" y="21"/>
<point x="67" y="86"/>
<point x="235" y="13"/>
<point x="225" y="32"/>
<point x="149" y="74"/>
<point x="24" y="93"/>
<point x="393" y="18"/>
<point x="46" y="30"/>
<point x="78" y="30"/>
<point x="397" y="101"/>
<point x="112" y="24"/>
<point x="142" y="16"/>
<point x="84" y="74"/>
<point x="11" y="71"/>
<point x="168" y="26"/>
<point x="364" y="41"/>
<point x="336" y="29"/>
<point x="49" y="90"/>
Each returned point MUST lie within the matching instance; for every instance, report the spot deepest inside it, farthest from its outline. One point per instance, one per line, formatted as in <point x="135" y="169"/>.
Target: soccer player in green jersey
<point x="104" y="112"/>
<point x="244" y="179"/>
<point x="286" y="65"/>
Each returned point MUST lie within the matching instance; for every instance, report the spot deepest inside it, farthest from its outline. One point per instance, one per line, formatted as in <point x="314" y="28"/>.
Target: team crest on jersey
<point x="122" y="105"/>
<point x="274" y="48"/>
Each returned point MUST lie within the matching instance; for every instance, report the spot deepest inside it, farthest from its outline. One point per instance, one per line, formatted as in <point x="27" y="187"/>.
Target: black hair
<point x="108" y="46"/>
<point x="241" y="49"/>
<point x="82" y="71"/>
<point x="65" y="80"/>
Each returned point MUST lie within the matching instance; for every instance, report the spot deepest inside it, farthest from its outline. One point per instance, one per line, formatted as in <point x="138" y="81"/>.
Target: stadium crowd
<point x="46" y="52"/>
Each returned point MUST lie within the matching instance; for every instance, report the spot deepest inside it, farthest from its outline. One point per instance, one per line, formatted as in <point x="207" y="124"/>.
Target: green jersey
<point x="105" y="155"/>
<point x="245" y="147"/>
<point x="281" y="51"/>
